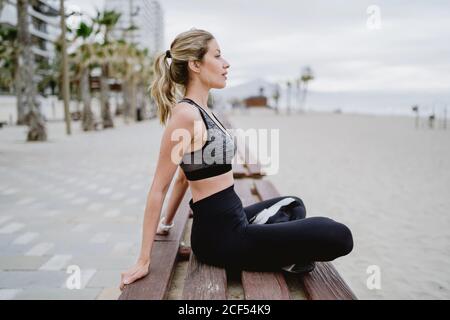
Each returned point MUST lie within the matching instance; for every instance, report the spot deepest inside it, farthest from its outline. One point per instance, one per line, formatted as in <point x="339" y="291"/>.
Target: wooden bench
<point x="206" y="282"/>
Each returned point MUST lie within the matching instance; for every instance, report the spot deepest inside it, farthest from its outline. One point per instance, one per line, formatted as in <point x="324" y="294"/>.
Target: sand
<point x="386" y="180"/>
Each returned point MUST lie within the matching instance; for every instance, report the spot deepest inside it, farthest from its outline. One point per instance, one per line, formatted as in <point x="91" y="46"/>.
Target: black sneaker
<point x="300" y="267"/>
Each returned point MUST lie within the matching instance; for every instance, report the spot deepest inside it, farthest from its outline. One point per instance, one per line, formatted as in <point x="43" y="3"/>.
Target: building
<point x="44" y="27"/>
<point x="256" y="101"/>
<point x="146" y="15"/>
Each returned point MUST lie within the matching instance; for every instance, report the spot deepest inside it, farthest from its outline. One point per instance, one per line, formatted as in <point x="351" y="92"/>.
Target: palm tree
<point x="8" y="56"/>
<point x="307" y="75"/>
<point x="26" y="93"/>
<point x="133" y="66"/>
<point x="104" y="24"/>
<point x="9" y="70"/>
<point x="146" y="77"/>
<point x="125" y="66"/>
<point x="84" y="56"/>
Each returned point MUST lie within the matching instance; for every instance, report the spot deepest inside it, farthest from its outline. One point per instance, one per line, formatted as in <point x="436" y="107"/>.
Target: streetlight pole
<point x="65" y="68"/>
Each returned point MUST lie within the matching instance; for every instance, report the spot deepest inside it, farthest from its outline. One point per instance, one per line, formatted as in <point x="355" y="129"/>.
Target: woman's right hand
<point x="139" y="270"/>
<point x="162" y="232"/>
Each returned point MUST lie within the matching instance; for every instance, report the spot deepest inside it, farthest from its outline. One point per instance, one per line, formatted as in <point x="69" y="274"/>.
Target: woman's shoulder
<point x="184" y="114"/>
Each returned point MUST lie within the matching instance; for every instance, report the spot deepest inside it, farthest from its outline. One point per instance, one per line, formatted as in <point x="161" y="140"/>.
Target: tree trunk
<point x="104" y="98"/>
<point x="26" y="86"/>
<point x="126" y="100"/>
<point x="133" y="109"/>
<point x="19" y="100"/>
<point x="119" y="107"/>
<point x="142" y="105"/>
<point x="87" y="118"/>
<point x="2" y="3"/>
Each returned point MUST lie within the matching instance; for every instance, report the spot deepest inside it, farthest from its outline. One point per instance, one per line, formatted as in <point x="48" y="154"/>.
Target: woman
<point x="265" y="236"/>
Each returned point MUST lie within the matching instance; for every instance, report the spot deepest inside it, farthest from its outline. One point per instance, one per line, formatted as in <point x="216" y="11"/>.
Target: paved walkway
<point x="73" y="202"/>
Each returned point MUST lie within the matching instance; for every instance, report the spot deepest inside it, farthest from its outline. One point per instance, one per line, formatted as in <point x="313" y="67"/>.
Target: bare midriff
<point x="201" y="189"/>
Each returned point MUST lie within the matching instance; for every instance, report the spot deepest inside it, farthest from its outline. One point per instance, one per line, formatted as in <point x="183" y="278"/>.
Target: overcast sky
<point x="275" y="39"/>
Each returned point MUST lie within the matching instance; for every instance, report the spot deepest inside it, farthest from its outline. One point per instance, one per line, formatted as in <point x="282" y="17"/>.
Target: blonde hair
<point x="170" y="80"/>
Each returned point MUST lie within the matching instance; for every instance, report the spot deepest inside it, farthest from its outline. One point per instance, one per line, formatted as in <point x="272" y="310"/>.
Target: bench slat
<point x="325" y="283"/>
<point x="155" y="285"/>
<point x="253" y="168"/>
<point x="239" y="171"/>
<point x="204" y="282"/>
<point x="264" y="286"/>
<point x="259" y="285"/>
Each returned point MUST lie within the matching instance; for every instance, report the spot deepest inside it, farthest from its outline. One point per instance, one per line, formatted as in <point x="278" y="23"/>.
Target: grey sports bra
<point x="216" y="155"/>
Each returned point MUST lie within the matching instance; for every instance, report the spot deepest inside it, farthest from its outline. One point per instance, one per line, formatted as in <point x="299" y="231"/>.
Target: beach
<point x="385" y="179"/>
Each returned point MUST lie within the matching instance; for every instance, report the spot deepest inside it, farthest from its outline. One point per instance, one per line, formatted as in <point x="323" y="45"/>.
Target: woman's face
<point x="214" y="67"/>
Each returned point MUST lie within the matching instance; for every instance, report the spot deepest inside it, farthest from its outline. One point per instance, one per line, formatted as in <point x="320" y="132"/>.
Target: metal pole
<point x="65" y="69"/>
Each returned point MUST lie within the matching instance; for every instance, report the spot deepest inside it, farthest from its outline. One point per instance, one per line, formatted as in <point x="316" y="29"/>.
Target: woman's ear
<point x="194" y="65"/>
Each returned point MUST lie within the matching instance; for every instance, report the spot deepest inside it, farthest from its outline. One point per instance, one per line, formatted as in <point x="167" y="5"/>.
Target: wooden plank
<point x="239" y="171"/>
<point x="260" y="285"/>
<point x="204" y="282"/>
<point x="155" y="285"/>
<point x="264" y="286"/>
<point x="253" y="168"/>
<point x="325" y="283"/>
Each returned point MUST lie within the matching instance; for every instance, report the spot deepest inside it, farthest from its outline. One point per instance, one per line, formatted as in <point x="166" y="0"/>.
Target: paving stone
<point x="8" y="263"/>
<point x="58" y="294"/>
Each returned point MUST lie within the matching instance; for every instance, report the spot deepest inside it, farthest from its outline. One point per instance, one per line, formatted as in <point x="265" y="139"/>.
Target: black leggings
<point x="222" y="234"/>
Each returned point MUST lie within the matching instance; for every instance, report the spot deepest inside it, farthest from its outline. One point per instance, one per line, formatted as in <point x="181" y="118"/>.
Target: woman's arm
<point x="175" y="142"/>
<point x="179" y="189"/>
